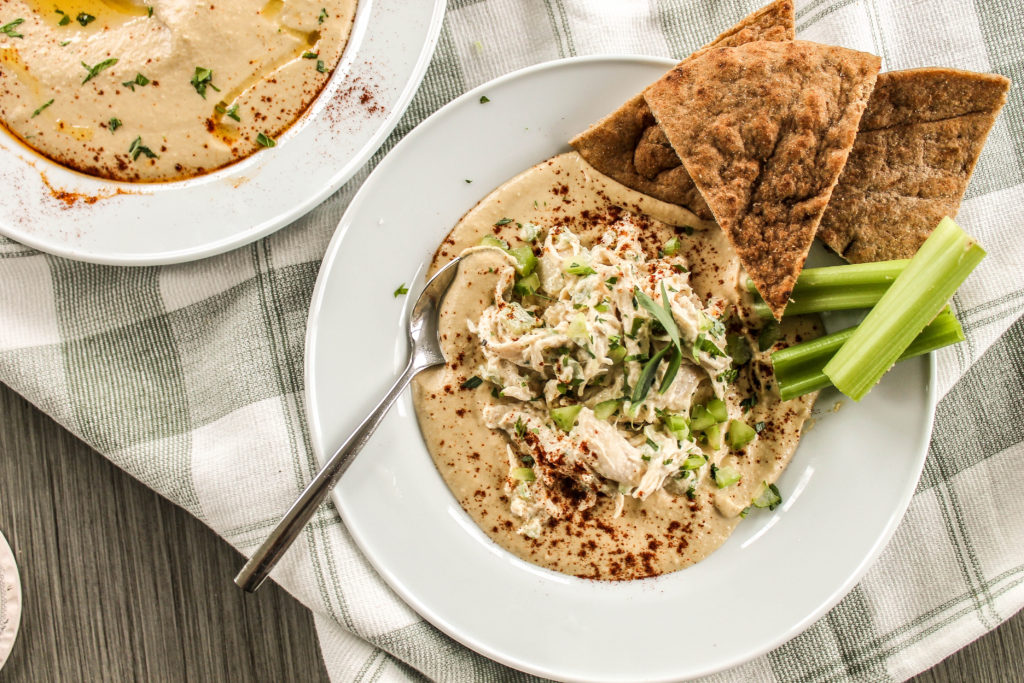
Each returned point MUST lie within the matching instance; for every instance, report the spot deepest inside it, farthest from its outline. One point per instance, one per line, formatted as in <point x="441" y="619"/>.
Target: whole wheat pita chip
<point x="764" y="130"/>
<point x="627" y="145"/>
<point x="919" y="140"/>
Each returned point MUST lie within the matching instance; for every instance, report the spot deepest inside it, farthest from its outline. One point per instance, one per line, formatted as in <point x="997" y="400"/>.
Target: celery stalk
<point x="837" y="288"/>
<point x="798" y="367"/>
<point x="942" y="263"/>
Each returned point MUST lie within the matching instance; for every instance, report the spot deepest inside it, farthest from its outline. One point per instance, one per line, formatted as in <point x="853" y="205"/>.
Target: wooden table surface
<point x="120" y="585"/>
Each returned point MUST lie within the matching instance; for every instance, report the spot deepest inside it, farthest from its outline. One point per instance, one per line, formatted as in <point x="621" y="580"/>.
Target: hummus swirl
<point x="535" y="422"/>
<point x="163" y="89"/>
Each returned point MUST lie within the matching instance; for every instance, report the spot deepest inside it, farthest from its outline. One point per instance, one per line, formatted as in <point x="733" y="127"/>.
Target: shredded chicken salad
<point x="608" y="374"/>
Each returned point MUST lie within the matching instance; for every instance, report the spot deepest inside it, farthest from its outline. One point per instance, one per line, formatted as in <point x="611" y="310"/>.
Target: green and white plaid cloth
<point x="190" y="377"/>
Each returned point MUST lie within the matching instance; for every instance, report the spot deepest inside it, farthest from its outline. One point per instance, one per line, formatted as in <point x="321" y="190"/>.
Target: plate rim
<point x="394" y="583"/>
<point x="274" y="223"/>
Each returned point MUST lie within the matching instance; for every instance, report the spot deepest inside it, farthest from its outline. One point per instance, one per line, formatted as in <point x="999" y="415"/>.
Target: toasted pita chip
<point x="764" y="130"/>
<point x="919" y="140"/>
<point x="627" y="145"/>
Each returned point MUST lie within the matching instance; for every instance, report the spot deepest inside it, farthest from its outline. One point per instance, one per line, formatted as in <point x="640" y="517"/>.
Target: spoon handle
<point x="287" y="530"/>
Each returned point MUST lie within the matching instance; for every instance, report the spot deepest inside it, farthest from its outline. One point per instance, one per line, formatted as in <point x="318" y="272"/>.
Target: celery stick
<point x="837" y="288"/>
<point x="942" y="263"/>
<point x="798" y="368"/>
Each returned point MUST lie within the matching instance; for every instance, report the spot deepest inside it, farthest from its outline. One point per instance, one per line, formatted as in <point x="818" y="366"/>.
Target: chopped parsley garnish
<point x="65" y="19"/>
<point x="468" y="181"/>
<point x="39" y="111"/>
<point x="749" y="402"/>
<point x="114" y="124"/>
<point x="265" y="140"/>
<point x="137" y="148"/>
<point x="728" y="376"/>
<point x="231" y="112"/>
<point x="704" y="344"/>
<point x="402" y="289"/>
<point x="94" y="71"/>
<point x="612" y="280"/>
<point x="85" y="19"/>
<point x="138" y="80"/>
<point x="323" y="15"/>
<point x="504" y="221"/>
<point x="8" y="29"/>
<point x="484" y="99"/>
<point x="472" y="383"/>
<point x="203" y="78"/>
<point x="149" y="10"/>
<point x="320" y="66"/>
<point x="310" y="55"/>
<point x="65" y="43"/>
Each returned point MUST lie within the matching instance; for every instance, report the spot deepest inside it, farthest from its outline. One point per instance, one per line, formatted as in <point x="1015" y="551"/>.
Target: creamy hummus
<point x="162" y="89"/>
<point x="536" y="424"/>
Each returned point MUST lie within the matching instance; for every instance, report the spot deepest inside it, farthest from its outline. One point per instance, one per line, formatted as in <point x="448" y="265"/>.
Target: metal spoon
<point x="426" y="353"/>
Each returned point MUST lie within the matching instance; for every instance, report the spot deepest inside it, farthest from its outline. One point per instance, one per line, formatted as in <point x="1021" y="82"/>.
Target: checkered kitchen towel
<point x="190" y="376"/>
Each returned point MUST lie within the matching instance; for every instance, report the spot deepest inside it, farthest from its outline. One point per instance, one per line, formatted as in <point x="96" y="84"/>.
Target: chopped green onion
<point x="798" y="368"/>
<point x="725" y="476"/>
<point x="769" y="497"/>
<point x="523" y="474"/>
<point x="264" y="140"/>
<point x="94" y="71"/>
<point x="472" y="383"/>
<point x="739" y="434"/>
<point x="565" y="417"/>
<point x="942" y="263"/>
<point x="39" y="111"/>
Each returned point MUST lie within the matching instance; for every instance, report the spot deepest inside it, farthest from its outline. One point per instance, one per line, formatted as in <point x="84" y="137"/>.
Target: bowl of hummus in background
<point x="144" y="133"/>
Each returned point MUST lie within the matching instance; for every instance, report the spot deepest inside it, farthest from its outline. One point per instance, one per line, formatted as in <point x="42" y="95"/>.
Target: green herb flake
<point x="65" y="43"/>
<point x="39" y="111"/>
<point x="265" y="140"/>
<point x="504" y="221"/>
<point x="231" y="112"/>
<point x="484" y="99"/>
<point x="472" y="383"/>
<point x="149" y="10"/>
<point x="323" y="15"/>
<point x="113" y="124"/>
<point x="138" y="80"/>
<point x="202" y="79"/>
<point x="402" y="289"/>
<point x="94" y="71"/>
<point x="137" y="148"/>
<point x="85" y="19"/>
<point x="64" y="20"/>
<point x="321" y="67"/>
<point x="9" y="29"/>
<point x="310" y="55"/>
<point x="770" y="334"/>
<point x="468" y="181"/>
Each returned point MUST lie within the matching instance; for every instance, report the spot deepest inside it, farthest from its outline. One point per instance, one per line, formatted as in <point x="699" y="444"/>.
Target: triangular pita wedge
<point x="627" y="145"/>
<point x="919" y="140"/>
<point x="764" y="130"/>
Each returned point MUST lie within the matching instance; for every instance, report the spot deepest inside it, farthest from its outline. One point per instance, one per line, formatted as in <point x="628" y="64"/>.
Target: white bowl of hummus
<point x="151" y="132"/>
<point x="445" y="532"/>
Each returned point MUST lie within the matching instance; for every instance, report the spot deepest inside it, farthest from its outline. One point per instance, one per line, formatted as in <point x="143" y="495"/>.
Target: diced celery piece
<point x="694" y="462"/>
<point x="529" y="231"/>
<point x="605" y="409"/>
<point x="527" y="286"/>
<point x="714" y="436"/>
<point x="700" y="418"/>
<point x="617" y="354"/>
<point x="525" y="260"/>
<point x="769" y="497"/>
<point x="565" y="416"/>
<point x="523" y="474"/>
<point x="671" y="246"/>
<point x="717" y="410"/>
<point x="725" y="476"/>
<point x="577" y="266"/>
<point x="492" y="241"/>
<point x="739" y="434"/>
<point x="578" y="328"/>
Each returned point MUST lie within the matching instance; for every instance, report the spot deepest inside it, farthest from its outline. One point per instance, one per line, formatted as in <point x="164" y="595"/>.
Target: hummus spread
<point x="162" y="89"/>
<point x="608" y="406"/>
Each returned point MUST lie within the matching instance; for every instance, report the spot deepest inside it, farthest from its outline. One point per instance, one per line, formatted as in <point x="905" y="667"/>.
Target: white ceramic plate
<point x="10" y="600"/>
<point x="388" y="52"/>
<point x="845" y="492"/>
